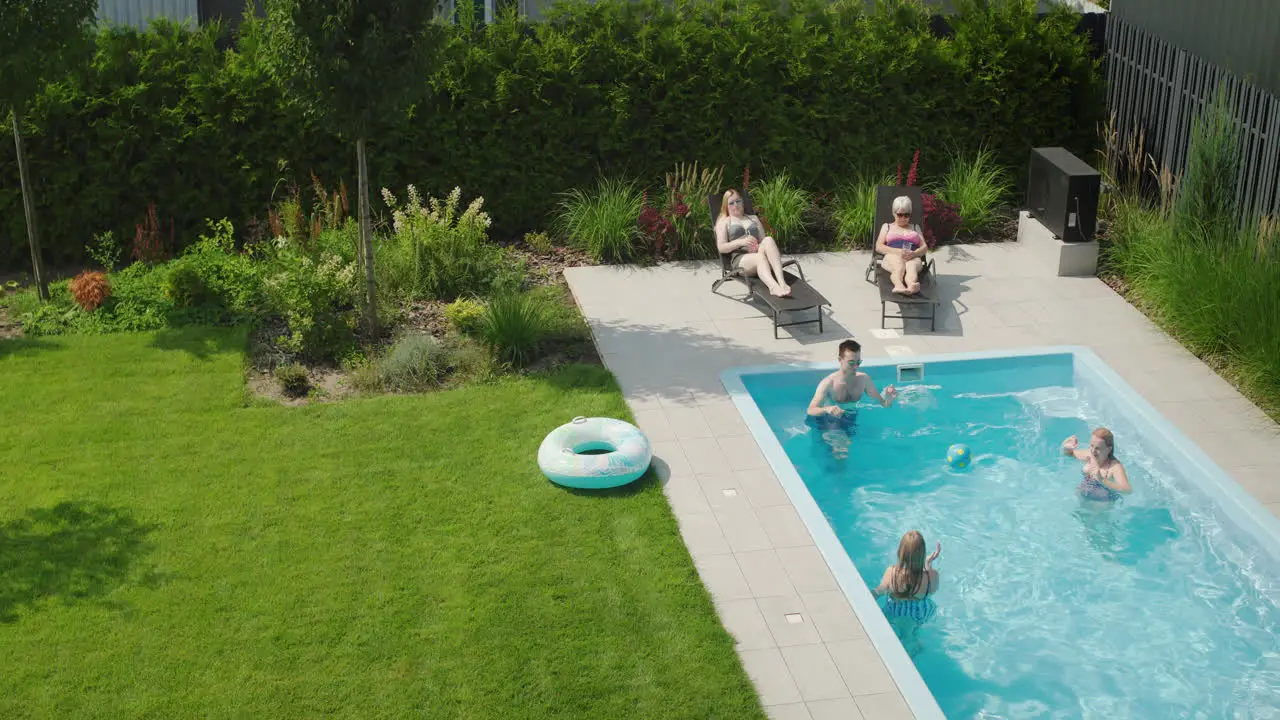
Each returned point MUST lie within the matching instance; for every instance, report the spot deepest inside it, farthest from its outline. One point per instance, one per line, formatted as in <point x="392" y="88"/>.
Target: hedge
<point x="517" y="112"/>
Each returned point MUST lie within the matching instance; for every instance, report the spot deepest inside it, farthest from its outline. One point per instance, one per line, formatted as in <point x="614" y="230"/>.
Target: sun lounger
<point x="922" y="305"/>
<point x="803" y="296"/>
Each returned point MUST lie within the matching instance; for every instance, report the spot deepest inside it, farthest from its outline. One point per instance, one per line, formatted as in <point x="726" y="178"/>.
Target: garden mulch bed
<point x="331" y="383"/>
<point x="9" y="329"/>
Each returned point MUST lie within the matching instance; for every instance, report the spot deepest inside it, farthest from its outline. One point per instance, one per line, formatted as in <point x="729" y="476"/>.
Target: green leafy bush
<point x="563" y="320"/>
<point x="602" y="221"/>
<point x="515" y="327"/>
<point x="465" y="316"/>
<point x="293" y="380"/>
<point x="138" y="301"/>
<point x="166" y="116"/>
<point x="436" y="252"/>
<point x="315" y="296"/>
<point x="853" y="210"/>
<point x="785" y="206"/>
<point x="183" y="285"/>
<point x="978" y="187"/>
<point x="105" y="251"/>
<point x="539" y="241"/>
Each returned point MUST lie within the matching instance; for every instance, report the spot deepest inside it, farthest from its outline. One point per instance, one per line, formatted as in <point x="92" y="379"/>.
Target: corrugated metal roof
<point x="138" y="12"/>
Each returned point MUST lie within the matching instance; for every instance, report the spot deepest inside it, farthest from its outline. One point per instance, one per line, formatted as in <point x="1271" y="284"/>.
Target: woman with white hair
<point x="903" y="247"/>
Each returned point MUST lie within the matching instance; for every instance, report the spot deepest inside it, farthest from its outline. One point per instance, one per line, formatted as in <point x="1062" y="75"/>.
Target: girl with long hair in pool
<point x="907" y="586"/>
<point x="1104" y="479"/>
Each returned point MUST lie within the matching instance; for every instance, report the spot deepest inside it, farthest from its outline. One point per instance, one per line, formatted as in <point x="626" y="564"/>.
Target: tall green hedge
<point x="518" y="112"/>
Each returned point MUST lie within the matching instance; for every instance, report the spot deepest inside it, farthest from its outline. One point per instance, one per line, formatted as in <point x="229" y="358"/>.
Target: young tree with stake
<point x="356" y="62"/>
<point x="39" y="41"/>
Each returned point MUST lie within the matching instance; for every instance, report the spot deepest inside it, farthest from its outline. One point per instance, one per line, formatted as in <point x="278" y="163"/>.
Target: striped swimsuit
<point x="920" y="610"/>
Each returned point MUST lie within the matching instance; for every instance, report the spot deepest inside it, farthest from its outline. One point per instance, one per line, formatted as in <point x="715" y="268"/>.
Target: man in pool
<point x="847" y="385"/>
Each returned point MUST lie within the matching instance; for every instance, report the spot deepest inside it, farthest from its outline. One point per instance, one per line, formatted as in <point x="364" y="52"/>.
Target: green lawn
<point x="168" y="551"/>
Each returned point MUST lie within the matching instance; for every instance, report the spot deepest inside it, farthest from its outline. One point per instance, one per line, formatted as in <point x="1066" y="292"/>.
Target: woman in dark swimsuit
<point x="755" y="253"/>
<point x="1105" y="478"/>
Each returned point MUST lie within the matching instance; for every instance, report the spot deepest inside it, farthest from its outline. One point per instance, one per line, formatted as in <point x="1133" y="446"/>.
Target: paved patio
<point x="667" y="338"/>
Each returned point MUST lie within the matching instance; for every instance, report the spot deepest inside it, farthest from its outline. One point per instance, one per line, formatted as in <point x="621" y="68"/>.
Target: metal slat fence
<point x="1158" y="89"/>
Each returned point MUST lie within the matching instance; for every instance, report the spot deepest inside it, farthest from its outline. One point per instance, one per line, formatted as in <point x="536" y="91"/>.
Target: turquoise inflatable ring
<point x="594" y="453"/>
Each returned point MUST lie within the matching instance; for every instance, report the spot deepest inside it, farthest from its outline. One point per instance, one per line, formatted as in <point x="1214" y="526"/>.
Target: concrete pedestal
<point x="1077" y="259"/>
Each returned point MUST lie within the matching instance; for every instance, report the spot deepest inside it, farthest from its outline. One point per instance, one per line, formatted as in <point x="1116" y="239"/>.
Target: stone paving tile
<point x="772" y="679"/>
<point x="883" y="706"/>
<point x="783" y="526"/>
<point x="833" y="616"/>
<point x="790" y="711"/>
<point x="861" y="667"/>
<point x="723" y="577"/>
<point x="788" y="620"/>
<point x="764" y="573"/>
<point x="814" y="672"/>
<point x="807" y="569"/>
<point x="744" y="622"/>
<point x="841" y="709"/>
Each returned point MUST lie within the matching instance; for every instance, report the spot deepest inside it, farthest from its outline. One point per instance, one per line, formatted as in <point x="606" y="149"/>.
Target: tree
<point x="39" y="40"/>
<point x="357" y="63"/>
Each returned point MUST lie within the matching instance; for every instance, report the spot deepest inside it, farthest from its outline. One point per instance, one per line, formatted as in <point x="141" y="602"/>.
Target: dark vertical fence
<point x="1160" y="89"/>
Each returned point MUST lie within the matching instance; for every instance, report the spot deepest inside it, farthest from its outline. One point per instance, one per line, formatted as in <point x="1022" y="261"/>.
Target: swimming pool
<point x="1165" y="605"/>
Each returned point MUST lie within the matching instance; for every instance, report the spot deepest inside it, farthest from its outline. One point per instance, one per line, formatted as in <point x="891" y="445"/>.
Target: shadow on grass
<point x="71" y="552"/>
<point x="644" y="482"/>
<point x="23" y="346"/>
<point x="202" y="342"/>
<point x="579" y="378"/>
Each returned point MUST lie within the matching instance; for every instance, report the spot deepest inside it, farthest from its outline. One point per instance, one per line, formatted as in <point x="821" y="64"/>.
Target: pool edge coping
<point x="1240" y="506"/>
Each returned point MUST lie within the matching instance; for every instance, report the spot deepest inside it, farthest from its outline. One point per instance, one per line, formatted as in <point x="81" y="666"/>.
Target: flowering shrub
<point x="149" y="243"/>
<point x="90" y="289"/>
<point x="314" y="295"/>
<point x="436" y="252"/>
<point x="660" y="227"/>
<point x="941" y="219"/>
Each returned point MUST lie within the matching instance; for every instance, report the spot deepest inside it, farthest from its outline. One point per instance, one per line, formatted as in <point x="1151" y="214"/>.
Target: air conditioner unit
<point x="1062" y="193"/>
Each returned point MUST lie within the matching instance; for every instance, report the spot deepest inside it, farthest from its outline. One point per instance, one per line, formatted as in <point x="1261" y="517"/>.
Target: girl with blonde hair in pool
<point x="909" y="583"/>
<point x="907" y="586"/>
<point x="1105" y="478"/>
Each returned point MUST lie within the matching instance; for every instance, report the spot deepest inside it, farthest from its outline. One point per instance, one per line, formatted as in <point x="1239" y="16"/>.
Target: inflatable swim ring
<point x="594" y="453"/>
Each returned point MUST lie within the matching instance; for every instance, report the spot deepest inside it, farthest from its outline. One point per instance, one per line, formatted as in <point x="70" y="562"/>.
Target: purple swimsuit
<point x="905" y="242"/>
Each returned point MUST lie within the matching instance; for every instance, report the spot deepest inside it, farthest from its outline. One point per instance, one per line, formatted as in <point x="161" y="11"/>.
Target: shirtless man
<point x="847" y="385"/>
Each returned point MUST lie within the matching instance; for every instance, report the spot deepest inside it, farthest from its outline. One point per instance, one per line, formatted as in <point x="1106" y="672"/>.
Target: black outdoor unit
<point x="1062" y="193"/>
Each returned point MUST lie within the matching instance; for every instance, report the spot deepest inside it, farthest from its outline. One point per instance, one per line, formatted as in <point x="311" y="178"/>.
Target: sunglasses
<point x="903" y="214"/>
<point x="735" y="202"/>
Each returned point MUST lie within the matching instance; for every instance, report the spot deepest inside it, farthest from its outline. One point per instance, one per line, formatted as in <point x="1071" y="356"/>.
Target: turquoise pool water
<point x="1050" y="606"/>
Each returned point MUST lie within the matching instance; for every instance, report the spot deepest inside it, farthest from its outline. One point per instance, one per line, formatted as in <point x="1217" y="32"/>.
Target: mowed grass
<point x="168" y="551"/>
